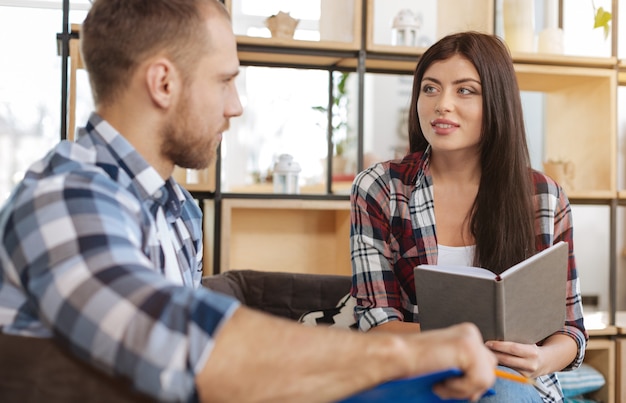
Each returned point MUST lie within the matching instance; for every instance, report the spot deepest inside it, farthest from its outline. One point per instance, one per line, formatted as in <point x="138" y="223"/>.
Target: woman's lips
<point x="443" y="126"/>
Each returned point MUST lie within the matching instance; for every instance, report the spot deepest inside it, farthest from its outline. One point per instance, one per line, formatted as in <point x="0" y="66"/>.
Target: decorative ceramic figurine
<point x="282" y="25"/>
<point x="285" y="175"/>
<point x="404" y="28"/>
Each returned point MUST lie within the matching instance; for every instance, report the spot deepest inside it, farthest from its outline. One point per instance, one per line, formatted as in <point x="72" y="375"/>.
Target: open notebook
<point x="524" y="304"/>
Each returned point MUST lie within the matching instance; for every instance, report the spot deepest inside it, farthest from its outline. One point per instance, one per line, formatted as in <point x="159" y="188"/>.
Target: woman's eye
<point x="465" y="91"/>
<point x="428" y="89"/>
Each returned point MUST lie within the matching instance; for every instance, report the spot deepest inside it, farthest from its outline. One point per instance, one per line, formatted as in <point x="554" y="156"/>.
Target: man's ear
<point x="162" y="81"/>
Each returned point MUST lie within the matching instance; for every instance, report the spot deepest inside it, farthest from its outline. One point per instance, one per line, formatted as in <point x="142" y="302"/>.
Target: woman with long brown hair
<point x="465" y="194"/>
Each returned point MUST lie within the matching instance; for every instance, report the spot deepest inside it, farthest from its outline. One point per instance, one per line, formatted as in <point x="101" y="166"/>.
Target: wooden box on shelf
<point x="294" y="235"/>
<point x="580" y="122"/>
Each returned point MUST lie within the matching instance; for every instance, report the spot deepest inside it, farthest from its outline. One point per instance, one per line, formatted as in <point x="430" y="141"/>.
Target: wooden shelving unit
<point x="579" y="91"/>
<point x="580" y="86"/>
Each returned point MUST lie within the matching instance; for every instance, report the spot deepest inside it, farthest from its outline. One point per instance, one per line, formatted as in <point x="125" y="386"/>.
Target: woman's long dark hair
<point x="502" y="216"/>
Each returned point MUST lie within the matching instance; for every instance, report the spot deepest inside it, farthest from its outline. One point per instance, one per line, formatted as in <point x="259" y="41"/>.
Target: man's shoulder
<point x="69" y="174"/>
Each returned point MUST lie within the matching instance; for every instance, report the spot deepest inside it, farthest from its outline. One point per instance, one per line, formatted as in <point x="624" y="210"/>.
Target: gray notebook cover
<point x="525" y="304"/>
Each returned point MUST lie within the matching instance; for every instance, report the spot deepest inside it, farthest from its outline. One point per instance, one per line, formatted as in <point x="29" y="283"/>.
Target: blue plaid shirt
<point x="81" y="261"/>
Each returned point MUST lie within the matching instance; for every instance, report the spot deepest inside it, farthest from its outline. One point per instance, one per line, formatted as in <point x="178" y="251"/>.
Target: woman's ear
<point x="162" y="81"/>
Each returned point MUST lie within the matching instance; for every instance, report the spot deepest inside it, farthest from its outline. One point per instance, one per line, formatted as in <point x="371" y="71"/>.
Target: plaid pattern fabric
<point x="393" y="231"/>
<point x="81" y="261"/>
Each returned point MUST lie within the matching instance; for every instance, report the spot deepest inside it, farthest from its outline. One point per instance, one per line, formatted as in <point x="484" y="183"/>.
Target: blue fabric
<point x="585" y="379"/>
<point x="411" y="390"/>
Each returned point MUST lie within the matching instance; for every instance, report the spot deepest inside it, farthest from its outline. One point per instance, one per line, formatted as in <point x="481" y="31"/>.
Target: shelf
<point x="294" y="235"/>
<point x="338" y="28"/>
<point x="290" y="53"/>
<point x="600" y="354"/>
<point x="342" y="187"/>
<point x="451" y="16"/>
<point x="603" y="332"/>
<point x="564" y="60"/>
<point x="572" y="92"/>
<point x="598" y="197"/>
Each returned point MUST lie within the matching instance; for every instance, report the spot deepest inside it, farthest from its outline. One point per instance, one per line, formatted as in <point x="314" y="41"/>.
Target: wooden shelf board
<point x="268" y="188"/>
<point x="592" y="196"/>
<point x="552" y="78"/>
<point x="277" y="43"/>
<point x="395" y="50"/>
<point x="290" y="61"/>
<point x="282" y="204"/>
<point x="391" y="63"/>
<point x="564" y="60"/>
<point x="601" y="332"/>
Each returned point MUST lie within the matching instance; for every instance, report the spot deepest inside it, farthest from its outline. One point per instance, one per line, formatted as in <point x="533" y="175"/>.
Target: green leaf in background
<point x="602" y="19"/>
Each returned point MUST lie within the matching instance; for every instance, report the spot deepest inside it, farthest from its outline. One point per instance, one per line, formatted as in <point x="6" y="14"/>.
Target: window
<point x="30" y="106"/>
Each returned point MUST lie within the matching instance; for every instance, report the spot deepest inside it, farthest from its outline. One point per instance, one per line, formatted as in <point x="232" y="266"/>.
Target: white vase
<point x="551" y="37"/>
<point x="519" y="24"/>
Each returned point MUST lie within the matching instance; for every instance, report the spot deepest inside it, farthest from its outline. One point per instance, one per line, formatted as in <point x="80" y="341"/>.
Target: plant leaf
<point x="602" y="19"/>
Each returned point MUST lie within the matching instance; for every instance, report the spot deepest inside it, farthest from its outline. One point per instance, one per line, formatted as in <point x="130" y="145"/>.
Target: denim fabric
<point x="509" y="391"/>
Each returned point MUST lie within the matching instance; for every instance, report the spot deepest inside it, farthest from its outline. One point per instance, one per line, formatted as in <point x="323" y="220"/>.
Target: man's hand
<point x="464" y="345"/>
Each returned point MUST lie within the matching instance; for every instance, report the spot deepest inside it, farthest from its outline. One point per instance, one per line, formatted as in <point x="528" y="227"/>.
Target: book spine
<point x="499" y="310"/>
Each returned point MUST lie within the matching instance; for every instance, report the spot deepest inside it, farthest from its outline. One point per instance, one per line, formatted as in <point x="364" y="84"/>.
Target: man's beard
<point x="186" y="147"/>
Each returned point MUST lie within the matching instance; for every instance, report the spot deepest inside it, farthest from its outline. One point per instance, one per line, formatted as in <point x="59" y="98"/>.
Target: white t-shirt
<point x="455" y="255"/>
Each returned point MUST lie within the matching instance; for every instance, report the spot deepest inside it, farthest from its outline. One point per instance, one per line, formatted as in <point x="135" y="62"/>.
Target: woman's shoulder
<point x="544" y="185"/>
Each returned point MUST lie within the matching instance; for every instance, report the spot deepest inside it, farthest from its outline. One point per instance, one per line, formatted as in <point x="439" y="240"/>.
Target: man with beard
<point x="101" y="249"/>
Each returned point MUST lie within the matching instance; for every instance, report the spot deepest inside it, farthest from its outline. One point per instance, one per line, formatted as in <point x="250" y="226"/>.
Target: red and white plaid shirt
<point x="393" y="230"/>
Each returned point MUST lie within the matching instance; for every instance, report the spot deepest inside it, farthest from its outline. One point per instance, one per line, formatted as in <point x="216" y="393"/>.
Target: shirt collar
<point x="423" y="174"/>
<point x="141" y="174"/>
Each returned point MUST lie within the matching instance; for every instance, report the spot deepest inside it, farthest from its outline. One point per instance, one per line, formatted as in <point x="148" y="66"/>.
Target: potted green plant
<point x="339" y="123"/>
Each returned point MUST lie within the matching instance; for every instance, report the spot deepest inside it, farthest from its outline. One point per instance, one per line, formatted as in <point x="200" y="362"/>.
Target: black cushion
<point x="283" y="294"/>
